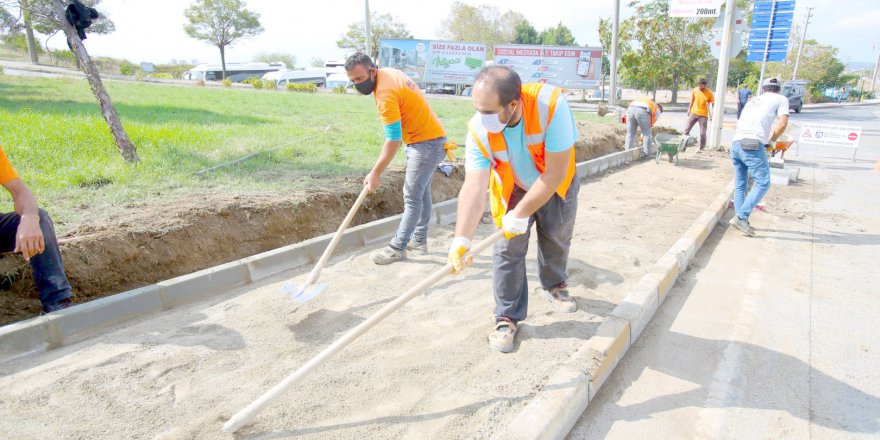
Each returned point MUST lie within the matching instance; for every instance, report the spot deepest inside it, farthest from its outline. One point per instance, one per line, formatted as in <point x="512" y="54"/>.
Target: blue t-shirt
<point x="561" y="136"/>
<point x="744" y="95"/>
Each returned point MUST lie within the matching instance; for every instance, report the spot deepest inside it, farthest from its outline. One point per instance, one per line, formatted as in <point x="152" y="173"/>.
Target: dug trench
<point x="148" y="243"/>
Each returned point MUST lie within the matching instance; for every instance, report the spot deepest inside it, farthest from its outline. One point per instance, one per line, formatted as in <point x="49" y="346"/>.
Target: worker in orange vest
<point x="642" y="113"/>
<point x="520" y="145"/>
<point x="699" y="110"/>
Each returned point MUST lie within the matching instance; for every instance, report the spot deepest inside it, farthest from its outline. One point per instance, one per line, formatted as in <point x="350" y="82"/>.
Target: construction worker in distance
<point x="407" y="118"/>
<point x="699" y="110"/>
<point x="642" y="114"/>
<point x="30" y="231"/>
<point x="520" y="145"/>
<point x="754" y="132"/>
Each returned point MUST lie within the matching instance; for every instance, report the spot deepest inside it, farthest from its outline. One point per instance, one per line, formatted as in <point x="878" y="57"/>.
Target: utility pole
<point x="723" y="71"/>
<point x="874" y="76"/>
<point x="367" y="37"/>
<point x="801" y="46"/>
<point x="615" y="32"/>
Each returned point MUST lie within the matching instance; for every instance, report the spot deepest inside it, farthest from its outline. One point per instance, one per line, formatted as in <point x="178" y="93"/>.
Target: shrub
<point x="227" y="83"/>
<point x="200" y="83"/>
<point x="128" y="68"/>
<point x="339" y="89"/>
<point x="269" y="85"/>
<point x="304" y="88"/>
<point x="161" y="75"/>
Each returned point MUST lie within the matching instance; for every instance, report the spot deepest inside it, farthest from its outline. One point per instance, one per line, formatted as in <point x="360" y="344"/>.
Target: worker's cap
<point x="770" y="82"/>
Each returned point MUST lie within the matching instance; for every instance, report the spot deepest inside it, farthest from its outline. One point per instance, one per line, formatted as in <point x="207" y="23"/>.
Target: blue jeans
<point x="421" y="160"/>
<point x="555" y="227"/>
<point x="52" y="284"/>
<point x="746" y="162"/>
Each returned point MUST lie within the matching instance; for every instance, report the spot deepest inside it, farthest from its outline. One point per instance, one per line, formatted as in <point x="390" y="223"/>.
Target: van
<point x="794" y="91"/>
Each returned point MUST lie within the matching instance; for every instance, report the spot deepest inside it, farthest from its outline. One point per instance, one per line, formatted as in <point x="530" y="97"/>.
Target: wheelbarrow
<point x="782" y="145"/>
<point x="670" y="145"/>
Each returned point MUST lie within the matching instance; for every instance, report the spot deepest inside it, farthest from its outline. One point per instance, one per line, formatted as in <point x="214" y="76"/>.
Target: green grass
<point x="57" y="140"/>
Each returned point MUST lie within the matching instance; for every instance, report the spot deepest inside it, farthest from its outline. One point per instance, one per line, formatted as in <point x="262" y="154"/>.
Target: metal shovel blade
<point x="304" y="293"/>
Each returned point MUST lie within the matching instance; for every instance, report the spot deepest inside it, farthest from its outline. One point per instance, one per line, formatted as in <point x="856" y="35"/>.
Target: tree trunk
<point x="29" y="33"/>
<point x="674" y="88"/>
<point x="223" y="59"/>
<point x="123" y="143"/>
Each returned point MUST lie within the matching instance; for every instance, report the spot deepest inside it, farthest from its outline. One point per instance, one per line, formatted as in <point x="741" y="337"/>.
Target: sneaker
<point x="502" y="336"/>
<point x="387" y="255"/>
<point x="742" y="225"/>
<point x="61" y="305"/>
<point x="560" y="300"/>
<point x="420" y="246"/>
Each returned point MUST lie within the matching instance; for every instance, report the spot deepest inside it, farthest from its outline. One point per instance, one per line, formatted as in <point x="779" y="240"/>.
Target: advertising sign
<point x="409" y="56"/>
<point x="440" y="62"/>
<point x="568" y="67"/>
<point x="694" y="8"/>
<point x="453" y="62"/>
<point x="833" y="135"/>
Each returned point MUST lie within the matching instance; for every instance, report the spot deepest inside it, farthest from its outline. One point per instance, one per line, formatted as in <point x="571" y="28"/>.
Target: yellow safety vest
<point x="538" y="108"/>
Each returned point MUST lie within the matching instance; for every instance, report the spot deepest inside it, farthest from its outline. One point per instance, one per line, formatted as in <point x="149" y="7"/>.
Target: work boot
<point x="502" y="336"/>
<point x="61" y="305"/>
<point x="419" y="246"/>
<point x="742" y="225"/>
<point x="387" y="255"/>
<point x="560" y="300"/>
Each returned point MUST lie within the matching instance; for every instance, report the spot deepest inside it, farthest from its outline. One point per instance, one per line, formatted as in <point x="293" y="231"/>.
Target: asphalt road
<point x="772" y="337"/>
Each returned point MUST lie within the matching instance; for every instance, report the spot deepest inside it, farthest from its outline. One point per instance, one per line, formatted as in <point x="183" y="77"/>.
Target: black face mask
<point x="367" y="86"/>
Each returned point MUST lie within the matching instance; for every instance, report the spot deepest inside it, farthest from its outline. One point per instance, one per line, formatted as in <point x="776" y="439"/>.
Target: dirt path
<point x="425" y="372"/>
<point x="150" y="242"/>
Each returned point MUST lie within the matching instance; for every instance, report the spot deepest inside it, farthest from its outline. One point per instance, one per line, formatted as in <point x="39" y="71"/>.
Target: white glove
<point x="457" y="249"/>
<point x="513" y="225"/>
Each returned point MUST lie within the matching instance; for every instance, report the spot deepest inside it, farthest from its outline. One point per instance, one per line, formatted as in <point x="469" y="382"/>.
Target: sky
<point x="152" y="31"/>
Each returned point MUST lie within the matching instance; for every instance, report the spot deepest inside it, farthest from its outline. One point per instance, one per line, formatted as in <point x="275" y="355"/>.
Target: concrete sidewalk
<point x="769" y="337"/>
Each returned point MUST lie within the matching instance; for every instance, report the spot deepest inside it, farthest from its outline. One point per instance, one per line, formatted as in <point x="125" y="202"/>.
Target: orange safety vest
<point x="538" y="108"/>
<point x="652" y="108"/>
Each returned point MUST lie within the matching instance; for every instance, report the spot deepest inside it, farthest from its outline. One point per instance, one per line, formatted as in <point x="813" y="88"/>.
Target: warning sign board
<point x="831" y="135"/>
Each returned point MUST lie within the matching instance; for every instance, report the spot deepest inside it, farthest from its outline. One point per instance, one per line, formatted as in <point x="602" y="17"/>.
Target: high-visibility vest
<point x="538" y="108"/>
<point x="648" y="104"/>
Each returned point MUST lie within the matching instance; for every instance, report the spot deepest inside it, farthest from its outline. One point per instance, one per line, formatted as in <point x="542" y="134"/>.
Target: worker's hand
<point x="513" y="225"/>
<point x="371" y="181"/>
<point x="457" y="250"/>
<point x="29" y="237"/>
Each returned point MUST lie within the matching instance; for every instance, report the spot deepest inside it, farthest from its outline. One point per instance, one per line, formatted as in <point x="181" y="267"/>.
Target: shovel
<point x="310" y="289"/>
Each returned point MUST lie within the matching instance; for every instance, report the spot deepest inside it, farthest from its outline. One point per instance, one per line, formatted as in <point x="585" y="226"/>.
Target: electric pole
<point x="801" y="46"/>
<point x="615" y="31"/>
<point x="723" y="71"/>
<point x="874" y="76"/>
<point x="367" y="37"/>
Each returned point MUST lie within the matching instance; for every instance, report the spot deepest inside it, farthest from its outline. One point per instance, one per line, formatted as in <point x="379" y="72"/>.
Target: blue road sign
<point x="772" y="21"/>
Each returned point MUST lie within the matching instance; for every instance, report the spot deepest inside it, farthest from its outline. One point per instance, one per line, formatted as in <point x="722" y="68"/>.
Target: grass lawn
<point x="57" y="140"/>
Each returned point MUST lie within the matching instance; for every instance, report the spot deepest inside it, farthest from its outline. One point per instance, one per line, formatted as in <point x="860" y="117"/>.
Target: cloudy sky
<point x="153" y="30"/>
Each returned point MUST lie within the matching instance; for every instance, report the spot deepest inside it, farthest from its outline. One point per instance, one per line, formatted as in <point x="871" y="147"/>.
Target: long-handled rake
<point x="244" y="416"/>
<point x="310" y="289"/>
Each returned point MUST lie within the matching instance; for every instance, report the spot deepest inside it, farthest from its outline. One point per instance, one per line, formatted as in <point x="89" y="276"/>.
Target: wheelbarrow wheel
<point x="671" y="156"/>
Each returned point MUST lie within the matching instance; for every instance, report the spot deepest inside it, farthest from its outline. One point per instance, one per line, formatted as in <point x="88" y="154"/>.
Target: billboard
<point x="442" y="62"/>
<point x="453" y="62"/>
<point x="406" y="55"/>
<point x="569" y="67"/>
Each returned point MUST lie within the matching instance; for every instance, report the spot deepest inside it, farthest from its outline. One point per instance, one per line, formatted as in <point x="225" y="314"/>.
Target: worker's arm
<point x="545" y="186"/>
<point x="780" y="128"/>
<point x="29" y="237"/>
<point x="471" y="203"/>
<point x="389" y="149"/>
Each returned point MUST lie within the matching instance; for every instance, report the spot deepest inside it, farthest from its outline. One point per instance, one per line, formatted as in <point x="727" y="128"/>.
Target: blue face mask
<point x="493" y="124"/>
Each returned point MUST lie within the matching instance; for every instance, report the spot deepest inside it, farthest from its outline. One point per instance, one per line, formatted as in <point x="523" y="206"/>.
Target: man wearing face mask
<point x="520" y="145"/>
<point x="407" y="118"/>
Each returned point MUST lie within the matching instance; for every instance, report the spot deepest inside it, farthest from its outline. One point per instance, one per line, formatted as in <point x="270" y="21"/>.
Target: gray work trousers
<point x="638" y="118"/>
<point x="555" y="226"/>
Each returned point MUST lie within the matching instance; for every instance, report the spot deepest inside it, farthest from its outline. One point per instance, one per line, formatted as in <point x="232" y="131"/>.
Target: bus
<point x="284" y="77"/>
<point x="235" y="72"/>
